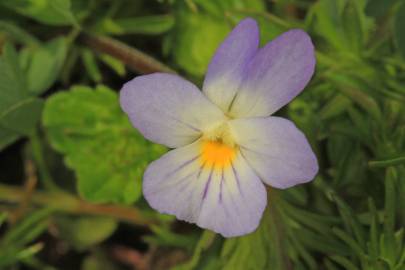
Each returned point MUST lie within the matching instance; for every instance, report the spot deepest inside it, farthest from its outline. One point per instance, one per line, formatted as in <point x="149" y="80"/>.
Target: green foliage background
<point x="71" y="165"/>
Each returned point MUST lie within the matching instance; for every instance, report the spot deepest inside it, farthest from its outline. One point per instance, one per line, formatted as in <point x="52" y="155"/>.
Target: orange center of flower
<point x="217" y="155"/>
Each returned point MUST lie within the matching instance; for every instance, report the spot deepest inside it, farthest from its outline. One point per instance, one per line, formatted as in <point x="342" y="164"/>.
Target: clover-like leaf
<point x="52" y="12"/>
<point x="44" y="64"/>
<point x="19" y="110"/>
<point x="198" y="34"/>
<point x="99" y="144"/>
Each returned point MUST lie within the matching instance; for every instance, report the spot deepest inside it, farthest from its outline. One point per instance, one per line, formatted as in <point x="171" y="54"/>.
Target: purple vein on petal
<point x="201" y="169"/>
<point x="232" y="102"/>
<point x="207" y="185"/>
<point x="237" y="179"/>
<point x="293" y="164"/>
<point x="184" y="123"/>
<point x="224" y="206"/>
<point x="163" y="187"/>
<point x="182" y="166"/>
<point x="231" y="197"/>
<point x="186" y="185"/>
<point x="220" y="185"/>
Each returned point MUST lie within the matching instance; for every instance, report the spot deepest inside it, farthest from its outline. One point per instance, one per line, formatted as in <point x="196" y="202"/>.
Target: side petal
<point x="167" y="109"/>
<point x="230" y="201"/>
<point x="226" y="70"/>
<point x="278" y="72"/>
<point x="277" y="151"/>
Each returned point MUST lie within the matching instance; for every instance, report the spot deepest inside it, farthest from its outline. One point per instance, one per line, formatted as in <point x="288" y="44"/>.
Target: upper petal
<point x="229" y="201"/>
<point x="167" y="109"/>
<point x="226" y="70"/>
<point x="277" y="151"/>
<point x="277" y="73"/>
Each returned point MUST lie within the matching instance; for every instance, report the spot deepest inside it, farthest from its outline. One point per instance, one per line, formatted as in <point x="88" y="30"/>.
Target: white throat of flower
<point x="218" y="148"/>
<point x="221" y="134"/>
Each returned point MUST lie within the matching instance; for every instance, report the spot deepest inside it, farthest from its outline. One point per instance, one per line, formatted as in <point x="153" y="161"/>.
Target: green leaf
<point x="52" y="12"/>
<point x="374" y="229"/>
<point x="13" y="85"/>
<point x="346" y="263"/>
<point x="390" y="199"/>
<point x="346" y="238"/>
<point x="45" y="64"/>
<point x="84" y="232"/>
<point x="163" y="236"/>
<point x="335" y="106"/>
<point x="18" y="34"/>
<point x="352" y="225"/>
<point x="22" y="116"/>
<point x="99" y="144"/>
<point x="352" y="89"/>
<point x="149" y="25"/>
<point x="377" y="8"/>
<point x="196" y="39"/>
<point x="19" y="111"/>
<point x="29" y="251"/>
<point x="387" y="162"/>
<point x="270" y="26"/>
<point x="3" y="217"/>
<point x="329" y="265"/>
<point x="113" y="63"/>
<point x="352" y="26"/>
<point x="12" y="255"/>
<point x="328" y="22"/>
<point x="27" y="229"/>
<point x="342" y="23"/>
<point x="265" y="248"/>
<point x="316" y="242"/>
<point x="388" y="243"/>
<point x="201" y="26"/>
<point x="204" y="243"/>
<point x="399" y="26"/>
<point x="91" y="66"/>
<point x="98" y="261"/>
<point x="219" y="8"/>
<point x="319" y="223"/>
<point x="7" y="137"/>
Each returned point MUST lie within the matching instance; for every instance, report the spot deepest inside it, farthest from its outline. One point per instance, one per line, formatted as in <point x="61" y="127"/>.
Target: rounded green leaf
<point x="107" y="154"/>
<point x="84" y="232"/>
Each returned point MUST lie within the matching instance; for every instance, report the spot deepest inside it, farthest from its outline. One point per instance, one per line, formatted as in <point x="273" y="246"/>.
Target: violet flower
<point x="226" y="143"/>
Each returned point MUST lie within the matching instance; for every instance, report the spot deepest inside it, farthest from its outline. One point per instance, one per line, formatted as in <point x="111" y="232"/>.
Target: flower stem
<point x="135" y="59"/>
<point x="386" y="163"/>
<point x="64" y="202"/>
<point x="206" y="240"/>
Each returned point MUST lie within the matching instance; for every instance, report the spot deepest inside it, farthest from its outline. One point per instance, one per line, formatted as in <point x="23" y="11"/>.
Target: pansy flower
<point x="226" y="144"/>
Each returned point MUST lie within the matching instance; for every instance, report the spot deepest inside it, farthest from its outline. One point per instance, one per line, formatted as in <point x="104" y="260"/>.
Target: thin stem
<point x="64" y="202"/>
<point x="37" y="153"/>
<point x="29" y="187"/>
<point x="135" y="59"/>
<point x="73" y="35"/>
<point x="386" y="163"/>
<point x="277" y="229"/>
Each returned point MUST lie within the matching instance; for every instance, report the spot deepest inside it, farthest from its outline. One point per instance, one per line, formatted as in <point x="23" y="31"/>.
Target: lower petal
<point x="228" y="199"/>
<point x="277" y="151"/>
